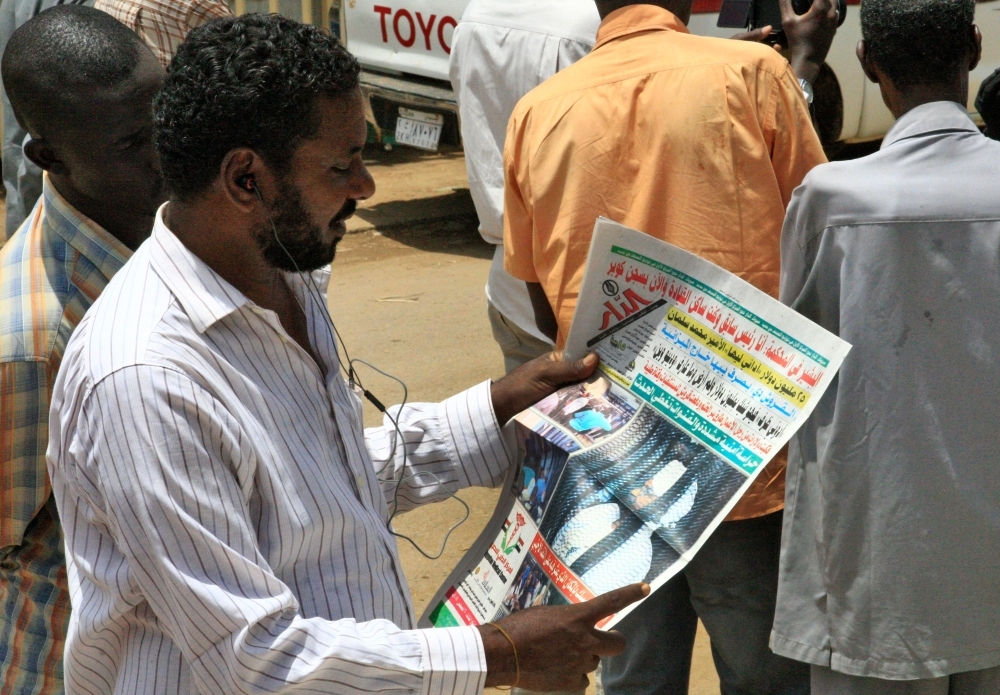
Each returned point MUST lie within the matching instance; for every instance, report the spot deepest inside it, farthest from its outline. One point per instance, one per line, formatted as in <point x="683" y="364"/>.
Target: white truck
<point x="403" y="47"/>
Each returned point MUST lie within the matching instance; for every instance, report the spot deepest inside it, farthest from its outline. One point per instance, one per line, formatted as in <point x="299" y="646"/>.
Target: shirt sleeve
<point x="518" y="222"/>
<point x="438" y="448"/>
<point x="204" y="10"/>
<point x="480" y="104"/>
<point x="164" y="25"/>
<point x="169" y="475"/>
<point x="795" y="146"/>
<point x="802" y="239"/>
<point x="571" y="51"/>
<point x="794" y="266"/>
<point x="24" y="432"/>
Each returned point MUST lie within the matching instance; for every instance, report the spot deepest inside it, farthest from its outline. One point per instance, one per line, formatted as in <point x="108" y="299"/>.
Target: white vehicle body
<point x="865" y="115"/>
<point x="403" y="46"/>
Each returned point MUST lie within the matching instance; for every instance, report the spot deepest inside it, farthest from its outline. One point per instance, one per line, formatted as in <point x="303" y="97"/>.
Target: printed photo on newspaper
<point x="622" y="478"/>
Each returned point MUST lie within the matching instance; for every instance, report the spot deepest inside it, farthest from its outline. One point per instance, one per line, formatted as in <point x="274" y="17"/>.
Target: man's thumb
<point x="583" y="368"/>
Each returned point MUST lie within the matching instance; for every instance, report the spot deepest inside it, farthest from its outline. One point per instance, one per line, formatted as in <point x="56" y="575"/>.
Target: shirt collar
<point x="934" y="117"/>
<point x="635" y="19"/>
<point x="92" y="242"/>
<point x="205" y="296"/>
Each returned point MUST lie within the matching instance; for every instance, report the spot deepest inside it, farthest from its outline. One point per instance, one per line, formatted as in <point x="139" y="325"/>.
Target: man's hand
<point x="532" y="382"/>
<point x="557" y="646"/>
<point x="809" y="35"/>
<point x="757" y="35"/>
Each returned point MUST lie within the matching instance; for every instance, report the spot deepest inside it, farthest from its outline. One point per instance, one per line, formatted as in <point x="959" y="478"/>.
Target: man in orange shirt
<point x="699" y="142"/>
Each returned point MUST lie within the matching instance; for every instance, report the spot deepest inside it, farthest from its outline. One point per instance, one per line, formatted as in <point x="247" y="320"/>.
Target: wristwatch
<point x="807" y="91"/>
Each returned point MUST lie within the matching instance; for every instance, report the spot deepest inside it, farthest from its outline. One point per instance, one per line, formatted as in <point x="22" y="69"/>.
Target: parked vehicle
<point x="864" y="116"/>
<point x="403" y="47"/>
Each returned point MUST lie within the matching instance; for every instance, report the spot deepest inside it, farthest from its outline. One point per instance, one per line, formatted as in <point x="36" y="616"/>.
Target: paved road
<point x="407" y="295"/>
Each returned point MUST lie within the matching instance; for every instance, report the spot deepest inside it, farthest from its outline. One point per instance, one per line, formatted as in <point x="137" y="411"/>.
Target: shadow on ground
<point x="395" y="213"/>
<point x="457" y="236"/>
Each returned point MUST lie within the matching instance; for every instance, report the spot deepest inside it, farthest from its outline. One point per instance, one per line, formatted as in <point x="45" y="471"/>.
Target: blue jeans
<point x="731" y="585"/>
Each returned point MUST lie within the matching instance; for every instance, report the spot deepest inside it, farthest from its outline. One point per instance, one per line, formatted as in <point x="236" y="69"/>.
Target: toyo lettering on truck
<point x="407" y="36"/>
<point x="404" y="48"/>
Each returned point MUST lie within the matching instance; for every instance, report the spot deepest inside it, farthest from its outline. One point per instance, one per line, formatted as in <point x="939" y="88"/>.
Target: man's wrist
<point x="500" y="666"/>
<point x="806" y="69"/>
<point x="499" y="395"/>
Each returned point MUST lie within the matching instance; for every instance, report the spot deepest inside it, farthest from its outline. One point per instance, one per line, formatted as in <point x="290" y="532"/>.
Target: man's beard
<point x="301" y="247"/>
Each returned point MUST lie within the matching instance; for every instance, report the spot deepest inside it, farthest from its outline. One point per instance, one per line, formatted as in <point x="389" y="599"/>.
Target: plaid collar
<point x="92" y="242"/>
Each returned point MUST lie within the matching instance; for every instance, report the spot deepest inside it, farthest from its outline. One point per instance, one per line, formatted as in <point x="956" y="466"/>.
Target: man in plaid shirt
<point x="163" y="24"/>
<point x="81" y="85"/>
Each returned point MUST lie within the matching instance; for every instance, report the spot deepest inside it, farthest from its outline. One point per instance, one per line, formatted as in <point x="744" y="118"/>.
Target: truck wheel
<point x="828" y="107"/>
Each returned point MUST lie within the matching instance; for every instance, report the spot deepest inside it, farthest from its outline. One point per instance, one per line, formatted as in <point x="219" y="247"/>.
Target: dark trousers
<point x="731" y="585"/>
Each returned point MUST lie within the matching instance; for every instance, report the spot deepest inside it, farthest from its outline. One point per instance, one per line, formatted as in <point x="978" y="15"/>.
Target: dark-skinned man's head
<point x="262" y="105"/>
<point x="680" y="8"/>
<point x="919" y="50"/>
<point x="82" y="85"/>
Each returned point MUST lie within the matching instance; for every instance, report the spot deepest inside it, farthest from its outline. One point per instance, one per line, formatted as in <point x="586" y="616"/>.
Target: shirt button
<point x="361" y="481"/>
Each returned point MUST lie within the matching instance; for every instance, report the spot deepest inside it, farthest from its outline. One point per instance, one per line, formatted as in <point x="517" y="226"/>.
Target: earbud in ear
<point x="247" y="182"/>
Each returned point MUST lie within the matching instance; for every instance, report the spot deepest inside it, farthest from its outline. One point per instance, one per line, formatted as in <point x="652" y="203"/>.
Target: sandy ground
<point x="407" y="296"/>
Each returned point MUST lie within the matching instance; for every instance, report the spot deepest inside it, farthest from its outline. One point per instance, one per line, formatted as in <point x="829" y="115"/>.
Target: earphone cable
<point x="353" y="377"/>
<point x="405" y="479"/>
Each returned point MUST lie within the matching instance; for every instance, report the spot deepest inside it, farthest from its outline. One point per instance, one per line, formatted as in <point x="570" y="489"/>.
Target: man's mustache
<point x="349" y="207"/>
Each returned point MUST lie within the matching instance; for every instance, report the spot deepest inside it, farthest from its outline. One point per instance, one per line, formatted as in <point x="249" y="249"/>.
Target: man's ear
<point x="41" y="153"/>
<point x="862" y="52"/>
<point x="977" y="47"/>
<point x="241" y="173"/>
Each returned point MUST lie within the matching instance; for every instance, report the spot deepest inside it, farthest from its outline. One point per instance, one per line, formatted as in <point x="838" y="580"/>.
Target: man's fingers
<point x="823" y="7"/>
<point x="787" y="11"/>
<point x="757" y="35"/>
<point x="557" y="371"/>
<point x="610" y="643"/>
<point x="583" y="368"/>
<point x="826" y="7"/>
<point x="613" y="601"/>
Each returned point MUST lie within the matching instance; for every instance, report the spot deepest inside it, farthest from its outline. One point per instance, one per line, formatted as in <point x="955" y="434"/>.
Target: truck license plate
<point x="419" y="129"/>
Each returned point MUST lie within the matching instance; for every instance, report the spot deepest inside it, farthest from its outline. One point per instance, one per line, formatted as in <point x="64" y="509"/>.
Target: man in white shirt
<point x="502" y="49"/>
<point x="226" y="517"/>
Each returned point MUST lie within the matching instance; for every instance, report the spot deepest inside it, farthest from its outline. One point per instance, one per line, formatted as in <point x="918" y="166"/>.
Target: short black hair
<point x="59" y="52"/>
<point x="250" y="81"/>
<point x="918" y="41"/>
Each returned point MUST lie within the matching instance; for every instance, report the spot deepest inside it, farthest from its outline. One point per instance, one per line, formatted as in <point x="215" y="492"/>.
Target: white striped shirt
<point x="225" y="513"/>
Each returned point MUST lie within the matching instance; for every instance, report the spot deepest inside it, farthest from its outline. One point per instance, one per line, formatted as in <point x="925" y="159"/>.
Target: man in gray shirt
<point x="890" y="563"/>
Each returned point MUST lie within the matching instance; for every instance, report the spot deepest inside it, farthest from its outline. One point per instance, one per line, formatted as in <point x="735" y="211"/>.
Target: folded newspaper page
<point x="622" y="478"/>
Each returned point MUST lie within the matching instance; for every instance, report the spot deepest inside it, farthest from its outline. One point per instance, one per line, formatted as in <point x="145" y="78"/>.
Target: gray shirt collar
<point x="936" y="116"/>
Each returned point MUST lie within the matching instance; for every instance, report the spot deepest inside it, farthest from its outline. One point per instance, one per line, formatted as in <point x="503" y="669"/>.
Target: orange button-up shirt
<point x="696" y="141"/>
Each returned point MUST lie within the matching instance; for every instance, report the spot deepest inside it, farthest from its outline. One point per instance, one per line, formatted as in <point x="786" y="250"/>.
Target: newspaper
<point x="622" y="478"/>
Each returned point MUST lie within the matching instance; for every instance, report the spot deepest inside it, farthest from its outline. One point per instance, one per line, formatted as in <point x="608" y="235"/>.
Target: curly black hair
<point x="249" y="81"/>
<point x="918" y="41"/>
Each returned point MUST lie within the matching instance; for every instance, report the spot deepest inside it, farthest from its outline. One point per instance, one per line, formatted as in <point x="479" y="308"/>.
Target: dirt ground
<point x="407" y="296"/>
